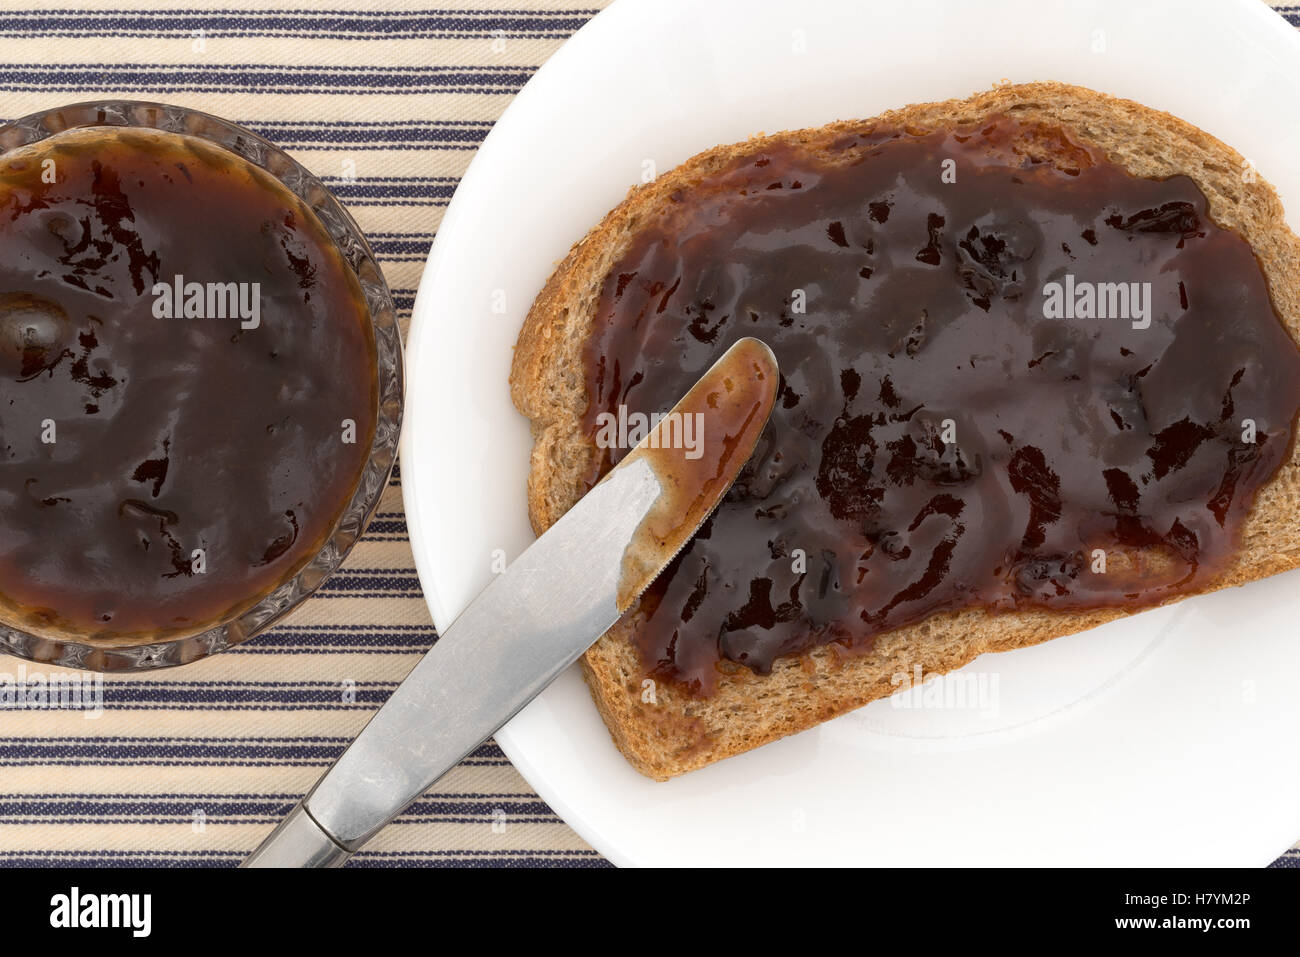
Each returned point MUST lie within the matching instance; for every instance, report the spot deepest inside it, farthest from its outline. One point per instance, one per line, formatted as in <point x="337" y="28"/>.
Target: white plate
<point x="1168" y="738"/>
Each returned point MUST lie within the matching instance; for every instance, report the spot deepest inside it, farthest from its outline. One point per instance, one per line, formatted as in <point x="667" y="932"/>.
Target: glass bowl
<point x="184" y="648"/>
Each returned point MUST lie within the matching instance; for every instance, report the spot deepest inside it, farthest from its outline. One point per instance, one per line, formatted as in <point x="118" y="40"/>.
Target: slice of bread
<point x="680" y="732"/>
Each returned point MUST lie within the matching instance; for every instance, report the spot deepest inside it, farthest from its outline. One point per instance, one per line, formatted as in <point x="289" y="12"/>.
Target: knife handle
<point x="298" y="841"/>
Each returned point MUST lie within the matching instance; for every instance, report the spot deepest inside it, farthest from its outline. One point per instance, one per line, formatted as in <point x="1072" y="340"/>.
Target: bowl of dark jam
<point x="200" y="385"/>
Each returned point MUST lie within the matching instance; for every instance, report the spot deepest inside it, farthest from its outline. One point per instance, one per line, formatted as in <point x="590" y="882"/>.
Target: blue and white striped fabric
<point x="193" y="766"/>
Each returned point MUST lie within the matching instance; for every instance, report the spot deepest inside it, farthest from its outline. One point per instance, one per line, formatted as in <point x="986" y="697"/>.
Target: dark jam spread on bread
<point x="1013" y="376"/>
<point x="166" y="460"/>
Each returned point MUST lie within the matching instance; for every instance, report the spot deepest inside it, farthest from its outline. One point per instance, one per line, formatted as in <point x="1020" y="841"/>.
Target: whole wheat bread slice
<point x="679" y="732"/>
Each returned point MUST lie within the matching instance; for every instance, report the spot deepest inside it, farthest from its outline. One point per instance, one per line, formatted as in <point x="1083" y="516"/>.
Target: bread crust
<point x="677" y="732"/>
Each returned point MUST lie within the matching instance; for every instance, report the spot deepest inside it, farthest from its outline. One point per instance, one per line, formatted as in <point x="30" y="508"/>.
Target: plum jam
<point x="187" y="384"/>
<point x="1008" y="381"/>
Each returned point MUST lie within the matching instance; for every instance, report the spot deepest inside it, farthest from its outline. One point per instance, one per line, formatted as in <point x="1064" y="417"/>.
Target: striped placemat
<point x="193" y="766"/>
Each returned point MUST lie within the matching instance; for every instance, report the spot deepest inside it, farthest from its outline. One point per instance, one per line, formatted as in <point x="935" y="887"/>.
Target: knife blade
<point x="539" y="615"/>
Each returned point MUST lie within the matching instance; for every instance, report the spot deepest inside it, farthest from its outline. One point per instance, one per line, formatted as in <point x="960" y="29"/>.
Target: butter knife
<point x="539" y="615"/>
